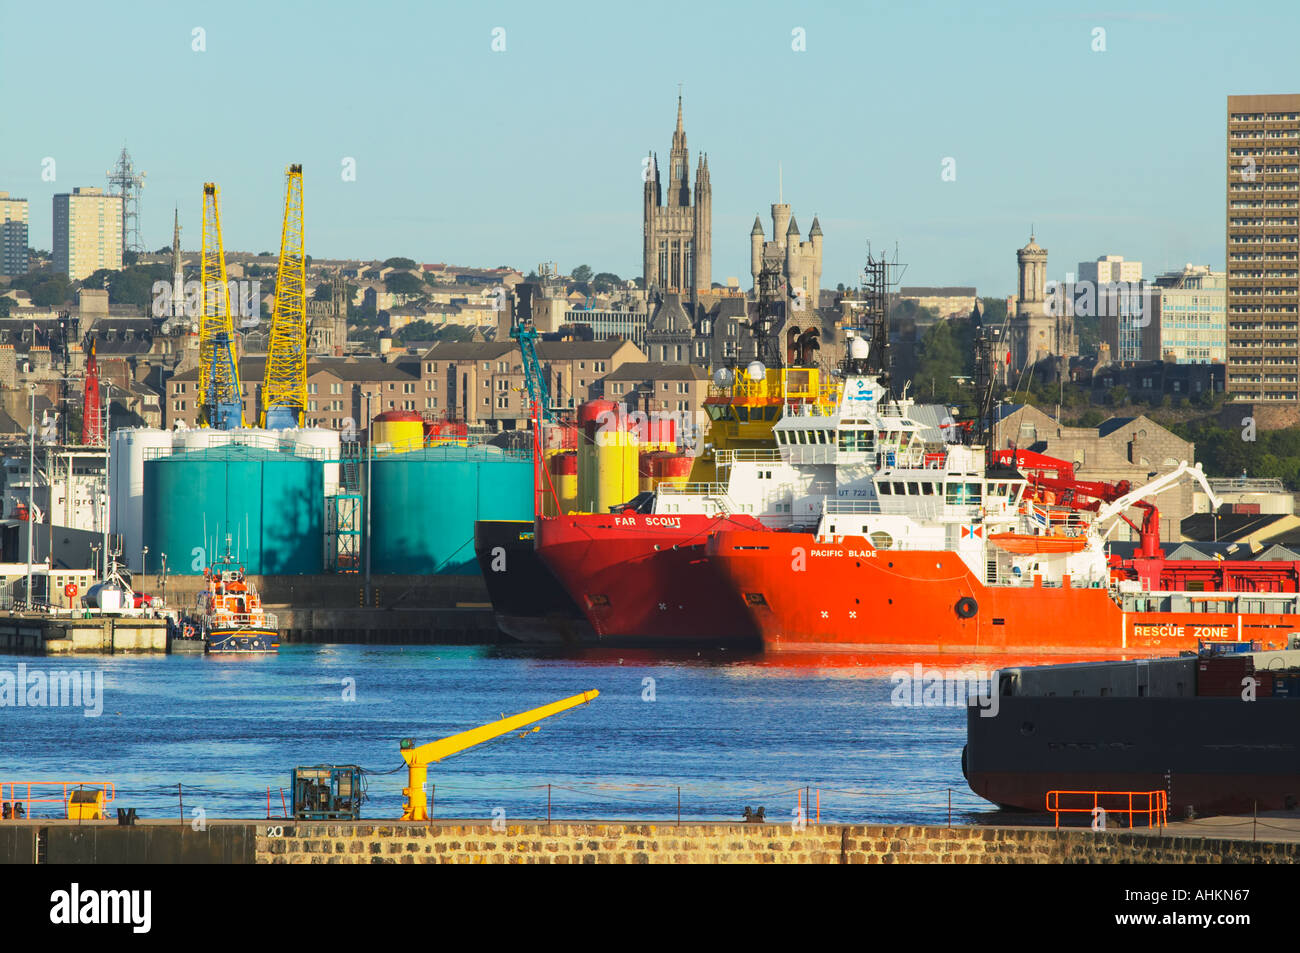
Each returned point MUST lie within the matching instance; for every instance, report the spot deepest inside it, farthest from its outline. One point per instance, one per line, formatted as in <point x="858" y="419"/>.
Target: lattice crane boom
<point x="284" y="390"/>
<point x="221" y="402"/>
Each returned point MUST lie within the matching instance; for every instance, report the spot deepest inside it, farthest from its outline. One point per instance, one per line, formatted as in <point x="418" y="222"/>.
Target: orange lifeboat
<point x="1025" y="544"/>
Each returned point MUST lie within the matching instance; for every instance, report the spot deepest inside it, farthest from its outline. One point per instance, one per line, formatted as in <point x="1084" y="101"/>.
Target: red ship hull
<point x="805" y="595"/>
<point x="642" y="578"/>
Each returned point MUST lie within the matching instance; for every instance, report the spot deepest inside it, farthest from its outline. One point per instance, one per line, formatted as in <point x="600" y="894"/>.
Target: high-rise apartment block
<point x="13" y="236"/>
<point x="87" y="232"/>
<point x="1263" y="238"/>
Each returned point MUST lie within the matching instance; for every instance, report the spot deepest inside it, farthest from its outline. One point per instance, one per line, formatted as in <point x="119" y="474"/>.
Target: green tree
<point x="1118" y="396"/>
<point x="403" y="283"/>
<point x="322" y="292"/>
<point x="606" y="281"/>
<point x="582" y="273"/>
<point x="995" y="310"/>
<point x="406" y="264"/>
<point x="5" y="304"/>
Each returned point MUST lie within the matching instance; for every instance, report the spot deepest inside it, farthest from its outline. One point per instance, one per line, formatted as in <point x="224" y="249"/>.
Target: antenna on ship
<point x="868" y="319"/>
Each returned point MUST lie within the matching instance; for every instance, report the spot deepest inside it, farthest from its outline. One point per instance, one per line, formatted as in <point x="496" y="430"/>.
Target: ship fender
<point x="966" y="607"/>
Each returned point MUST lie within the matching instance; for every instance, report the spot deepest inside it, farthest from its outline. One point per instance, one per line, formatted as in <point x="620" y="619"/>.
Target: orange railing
<point x="1156" y="809"/>
<point x="13" y="793"/>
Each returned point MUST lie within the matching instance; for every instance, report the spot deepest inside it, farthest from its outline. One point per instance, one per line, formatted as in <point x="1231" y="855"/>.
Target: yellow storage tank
<point x="594" y="418"/>
<point x="617" y="459"/>
<point x="402" y="429"/>
<point x="564" y="477"/>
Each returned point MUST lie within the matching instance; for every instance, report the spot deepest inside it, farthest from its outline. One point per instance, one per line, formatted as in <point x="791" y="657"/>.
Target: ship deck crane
<point x="419" y="758"/>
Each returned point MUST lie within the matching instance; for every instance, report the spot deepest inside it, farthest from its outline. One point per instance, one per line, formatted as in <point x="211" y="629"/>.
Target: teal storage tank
<point x="425" y="503"/>
<point x="270" y="503"/>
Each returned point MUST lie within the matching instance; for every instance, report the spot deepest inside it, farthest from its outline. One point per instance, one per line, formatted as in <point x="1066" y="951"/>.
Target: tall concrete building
<point x="1110" y="268"/>
<point x="1040" y="328"/>
<point x="799" y="262"/>
<point x="13" y="236"/>
<point x="87" y="232"/>
<point x="1263" y="238"/>
<point x="678" y="254"/>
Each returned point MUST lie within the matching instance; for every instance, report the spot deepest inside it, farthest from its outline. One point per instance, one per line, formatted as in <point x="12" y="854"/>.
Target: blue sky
<point x="473" y="156"/>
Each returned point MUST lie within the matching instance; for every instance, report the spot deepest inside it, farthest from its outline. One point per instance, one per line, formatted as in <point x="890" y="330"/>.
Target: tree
<point x="606" y="281"/>
<point x="1118" y="396"/>
<point x="5" y="304"/>
<point x="130" y="257"/>
<point x="165" y="250"/>
<point x="406" y="264"/>
<point x="322" y="292"/>
<point x="995" y="310"/>
<point x="582" y="273"/>
<point x="403" y="283"/>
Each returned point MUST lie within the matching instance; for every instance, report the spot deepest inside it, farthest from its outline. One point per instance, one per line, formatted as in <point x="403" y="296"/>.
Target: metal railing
<point x="913" y="506"/>
<point x="1156" y="809"/>
<point x="10" y="795"/>
<point x="725" y="458"/>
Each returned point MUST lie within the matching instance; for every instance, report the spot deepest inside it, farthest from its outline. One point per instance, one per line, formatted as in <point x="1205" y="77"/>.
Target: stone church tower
<point x="1037" y="330"/>
<point x="678" y="233"/>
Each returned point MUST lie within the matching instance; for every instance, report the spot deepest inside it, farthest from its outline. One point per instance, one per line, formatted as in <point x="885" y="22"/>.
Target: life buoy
<point x="189" y="632"/>
<point x="966" y="607"/>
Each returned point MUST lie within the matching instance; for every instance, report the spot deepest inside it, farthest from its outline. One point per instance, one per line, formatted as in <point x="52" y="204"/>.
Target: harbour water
<point x="219" y="732"/>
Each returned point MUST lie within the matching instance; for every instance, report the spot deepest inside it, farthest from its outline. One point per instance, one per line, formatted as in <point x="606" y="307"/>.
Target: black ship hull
<point x="529" y="603"/>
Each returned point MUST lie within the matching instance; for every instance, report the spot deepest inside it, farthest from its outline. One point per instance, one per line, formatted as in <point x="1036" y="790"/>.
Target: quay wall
<point x="236" y="842"/>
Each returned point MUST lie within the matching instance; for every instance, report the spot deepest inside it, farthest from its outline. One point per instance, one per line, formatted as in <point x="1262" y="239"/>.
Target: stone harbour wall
<point x="605" y="843"/>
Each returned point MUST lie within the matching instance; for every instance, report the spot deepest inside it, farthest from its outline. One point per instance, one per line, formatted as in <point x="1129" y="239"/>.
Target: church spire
<point x="679" y="173"/>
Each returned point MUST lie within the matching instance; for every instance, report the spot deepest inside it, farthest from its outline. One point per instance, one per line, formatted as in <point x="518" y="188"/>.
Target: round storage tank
<point x="315" y="443"/>
<point x="593" y="417"/>
<point x="199" y="438"/>
<point x="424" y="504"/>
<point x="128" y="449"/>
<point x="564" y="477"/>
<point x="269" y="503"/>
<point x="403" y="430"/>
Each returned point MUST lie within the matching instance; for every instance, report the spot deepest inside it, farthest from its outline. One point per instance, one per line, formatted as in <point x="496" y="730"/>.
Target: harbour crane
<point x="221" y="403"/>
<point x="419" y="758"/>
<point x="284" y="389"/>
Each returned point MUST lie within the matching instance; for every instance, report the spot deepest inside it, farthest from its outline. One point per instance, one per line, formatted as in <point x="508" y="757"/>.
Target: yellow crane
<point x="284" y="390"/>
<point x="221" y="400"/>
<point x="418" y="759"/>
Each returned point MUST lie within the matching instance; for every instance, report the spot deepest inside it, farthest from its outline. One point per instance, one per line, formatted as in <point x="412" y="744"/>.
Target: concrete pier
<point x="39" y="634"/>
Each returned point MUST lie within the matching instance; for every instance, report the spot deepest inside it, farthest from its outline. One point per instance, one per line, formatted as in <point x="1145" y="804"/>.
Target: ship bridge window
<point x="927" y="489"/>
<point x="856" y="441"/>
<point x="742" y="414"/>
<point x="884" y="489"/>
<point x="803" y="436"/>
<point x="960" y="494"/>
<point x="769" y="413"/>
<point x="717" y="411"/>
<point x="898" y="490"/>
<point x="913" y="489"/>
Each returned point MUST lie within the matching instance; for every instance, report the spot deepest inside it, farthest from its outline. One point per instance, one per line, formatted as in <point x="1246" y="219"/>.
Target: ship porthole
<point x="966" y="607"/>
<point x="1027" y="728"/>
